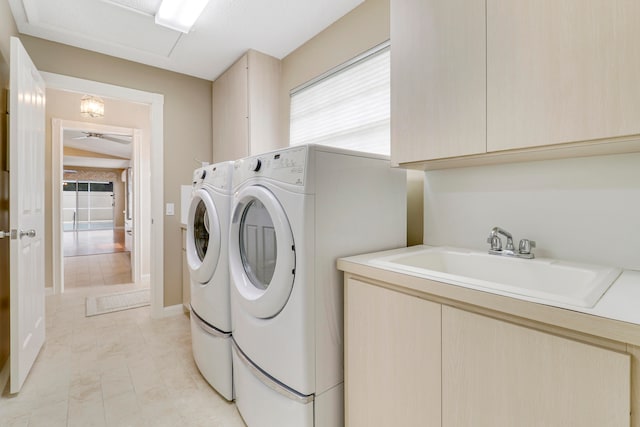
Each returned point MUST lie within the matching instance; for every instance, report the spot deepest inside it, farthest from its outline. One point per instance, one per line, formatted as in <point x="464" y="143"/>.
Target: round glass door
<point x="203" y="237"/>
<point x="262" y="253"/>
<point x="258" y="244"/>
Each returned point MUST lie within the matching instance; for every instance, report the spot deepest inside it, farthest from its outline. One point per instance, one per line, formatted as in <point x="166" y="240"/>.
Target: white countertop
<point x="621" y="302"/>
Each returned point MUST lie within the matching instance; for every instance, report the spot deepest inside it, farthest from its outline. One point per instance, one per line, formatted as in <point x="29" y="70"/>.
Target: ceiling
<point x="225" y="30"/>
<point x="111" y="154"/>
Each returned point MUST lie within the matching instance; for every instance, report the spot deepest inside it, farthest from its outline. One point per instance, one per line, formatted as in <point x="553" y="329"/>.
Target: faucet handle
<point x="526" y="245"/>
<point x="496" y="243"/>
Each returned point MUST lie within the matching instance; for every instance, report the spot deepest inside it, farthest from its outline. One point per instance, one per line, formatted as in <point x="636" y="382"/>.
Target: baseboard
<point x="173" y="310"/>
<point x="4" y="375"/>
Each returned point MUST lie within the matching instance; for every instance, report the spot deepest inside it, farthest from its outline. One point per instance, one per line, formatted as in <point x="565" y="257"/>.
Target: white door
<point x="26" y="213"/>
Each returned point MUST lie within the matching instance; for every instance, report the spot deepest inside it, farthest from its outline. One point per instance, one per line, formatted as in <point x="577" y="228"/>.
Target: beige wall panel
<point x="415" y="207"/>
<point x="187" y="126"/>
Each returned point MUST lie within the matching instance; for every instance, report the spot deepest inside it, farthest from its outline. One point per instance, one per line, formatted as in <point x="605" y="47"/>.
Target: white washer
<point x="295" y="211"/>
<point x="207" y="257"/>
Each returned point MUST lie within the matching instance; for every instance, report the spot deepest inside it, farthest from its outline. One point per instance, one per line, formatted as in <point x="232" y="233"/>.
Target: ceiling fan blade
<point x="114" y="139"/>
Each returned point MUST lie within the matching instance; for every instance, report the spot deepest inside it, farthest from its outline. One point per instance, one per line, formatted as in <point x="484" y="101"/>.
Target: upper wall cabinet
<point x="245" y="108"/>
<point x="489" y="81"/>
<point x="561" y="71"/>
<point x="438" y="79"/>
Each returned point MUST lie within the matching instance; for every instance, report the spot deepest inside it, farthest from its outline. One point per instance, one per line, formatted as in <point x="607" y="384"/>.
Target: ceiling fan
<point x="114" y="137"/>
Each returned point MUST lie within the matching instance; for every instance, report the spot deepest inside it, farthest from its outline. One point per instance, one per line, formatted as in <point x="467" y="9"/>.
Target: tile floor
<point x="95" y="270"/>
<point x="91" y="242"/>
<point x="117" y="369"/>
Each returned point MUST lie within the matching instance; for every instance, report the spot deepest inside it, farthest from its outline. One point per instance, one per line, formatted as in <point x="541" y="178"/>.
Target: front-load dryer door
<point x="261" y="252"/>
<point x="203" y="237"/>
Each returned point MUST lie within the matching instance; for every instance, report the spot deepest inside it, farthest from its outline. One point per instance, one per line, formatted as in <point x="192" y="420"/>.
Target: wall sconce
<point x="91" y="106"/>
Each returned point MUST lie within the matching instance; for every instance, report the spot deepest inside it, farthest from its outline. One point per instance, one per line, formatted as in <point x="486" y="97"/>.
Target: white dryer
<point x="207" y="257"/>
<point x="295" y="211"/>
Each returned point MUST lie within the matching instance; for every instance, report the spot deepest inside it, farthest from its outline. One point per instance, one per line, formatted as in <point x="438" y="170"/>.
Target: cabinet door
<point x="498" y="374"/>
<point x="561" y="71"/>
<point x="392" y="373"/>
<point x="264" y="85"/>
<point x="230" y="113"/>
<point x="438" y="84"/>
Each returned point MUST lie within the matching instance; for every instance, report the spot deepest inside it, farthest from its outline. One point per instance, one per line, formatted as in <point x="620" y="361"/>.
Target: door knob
<point x="28" y="233"/>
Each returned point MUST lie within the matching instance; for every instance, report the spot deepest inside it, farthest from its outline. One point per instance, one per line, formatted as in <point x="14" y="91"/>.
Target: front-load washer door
<point x="203" y="237"/>
<point x="261" y="252"/>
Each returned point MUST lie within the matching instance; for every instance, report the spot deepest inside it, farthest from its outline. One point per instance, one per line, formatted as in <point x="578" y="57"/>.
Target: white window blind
<point x="348" y="108"/>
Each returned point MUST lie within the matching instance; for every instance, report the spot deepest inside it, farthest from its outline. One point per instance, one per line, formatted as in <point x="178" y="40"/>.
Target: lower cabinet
<point x="499" y="374"/>
<point x="392" y="358"/>
<point x="413" y="362"/>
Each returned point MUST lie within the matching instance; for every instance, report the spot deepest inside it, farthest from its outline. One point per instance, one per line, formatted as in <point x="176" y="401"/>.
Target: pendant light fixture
<point x="91" y="106"/>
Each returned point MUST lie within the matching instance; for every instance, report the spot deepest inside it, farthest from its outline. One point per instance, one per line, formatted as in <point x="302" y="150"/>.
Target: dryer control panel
<point x="287" y="165"/>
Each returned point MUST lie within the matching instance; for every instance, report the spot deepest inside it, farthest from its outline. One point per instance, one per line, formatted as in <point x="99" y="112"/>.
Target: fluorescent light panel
<point x="180" y="15"/>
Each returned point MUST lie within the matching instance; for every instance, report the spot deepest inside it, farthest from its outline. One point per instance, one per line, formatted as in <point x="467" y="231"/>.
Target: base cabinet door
<point x="392" y="356"/>
<point x="499" y="374"/>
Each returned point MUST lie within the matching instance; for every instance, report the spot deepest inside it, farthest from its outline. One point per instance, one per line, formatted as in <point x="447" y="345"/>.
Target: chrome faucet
<point x="524" y="248"/>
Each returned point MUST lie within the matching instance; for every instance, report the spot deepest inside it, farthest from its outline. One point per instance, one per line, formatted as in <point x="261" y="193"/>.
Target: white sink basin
<point x="544" y="279"/>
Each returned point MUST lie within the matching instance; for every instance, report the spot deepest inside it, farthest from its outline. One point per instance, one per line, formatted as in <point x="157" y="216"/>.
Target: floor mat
<point x="109" y="303"/>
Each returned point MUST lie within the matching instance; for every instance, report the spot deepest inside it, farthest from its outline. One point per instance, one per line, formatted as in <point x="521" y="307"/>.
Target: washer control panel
<point x="287" y="165"/>
<point x="217" y="176"/>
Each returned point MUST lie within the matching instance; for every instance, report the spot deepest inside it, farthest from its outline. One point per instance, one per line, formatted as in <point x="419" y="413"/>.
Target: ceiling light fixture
<point x="91" y="106"/>
<point x="180" y="15"/>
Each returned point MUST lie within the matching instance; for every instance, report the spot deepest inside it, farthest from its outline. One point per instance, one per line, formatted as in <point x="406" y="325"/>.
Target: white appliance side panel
<point x="329" y="407"/>
<point x="213" y="358"/>
<point x="261" y="406"/>
<point x="360" y="207"/>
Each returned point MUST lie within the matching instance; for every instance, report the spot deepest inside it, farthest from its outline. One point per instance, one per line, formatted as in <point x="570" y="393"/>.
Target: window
<point x="347" y="107"/>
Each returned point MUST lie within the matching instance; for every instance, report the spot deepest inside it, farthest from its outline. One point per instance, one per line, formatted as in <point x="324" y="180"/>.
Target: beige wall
<point x="187" y="125"/>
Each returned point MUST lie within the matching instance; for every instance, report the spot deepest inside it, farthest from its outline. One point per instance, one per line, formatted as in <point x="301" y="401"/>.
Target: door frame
<point x="58" y="126"/>
<point x="156" y="104"/>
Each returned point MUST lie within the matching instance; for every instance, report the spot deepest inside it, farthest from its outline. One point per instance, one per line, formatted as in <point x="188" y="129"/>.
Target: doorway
<point x="98" y="165"/>
<point x="151" y="231"/>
